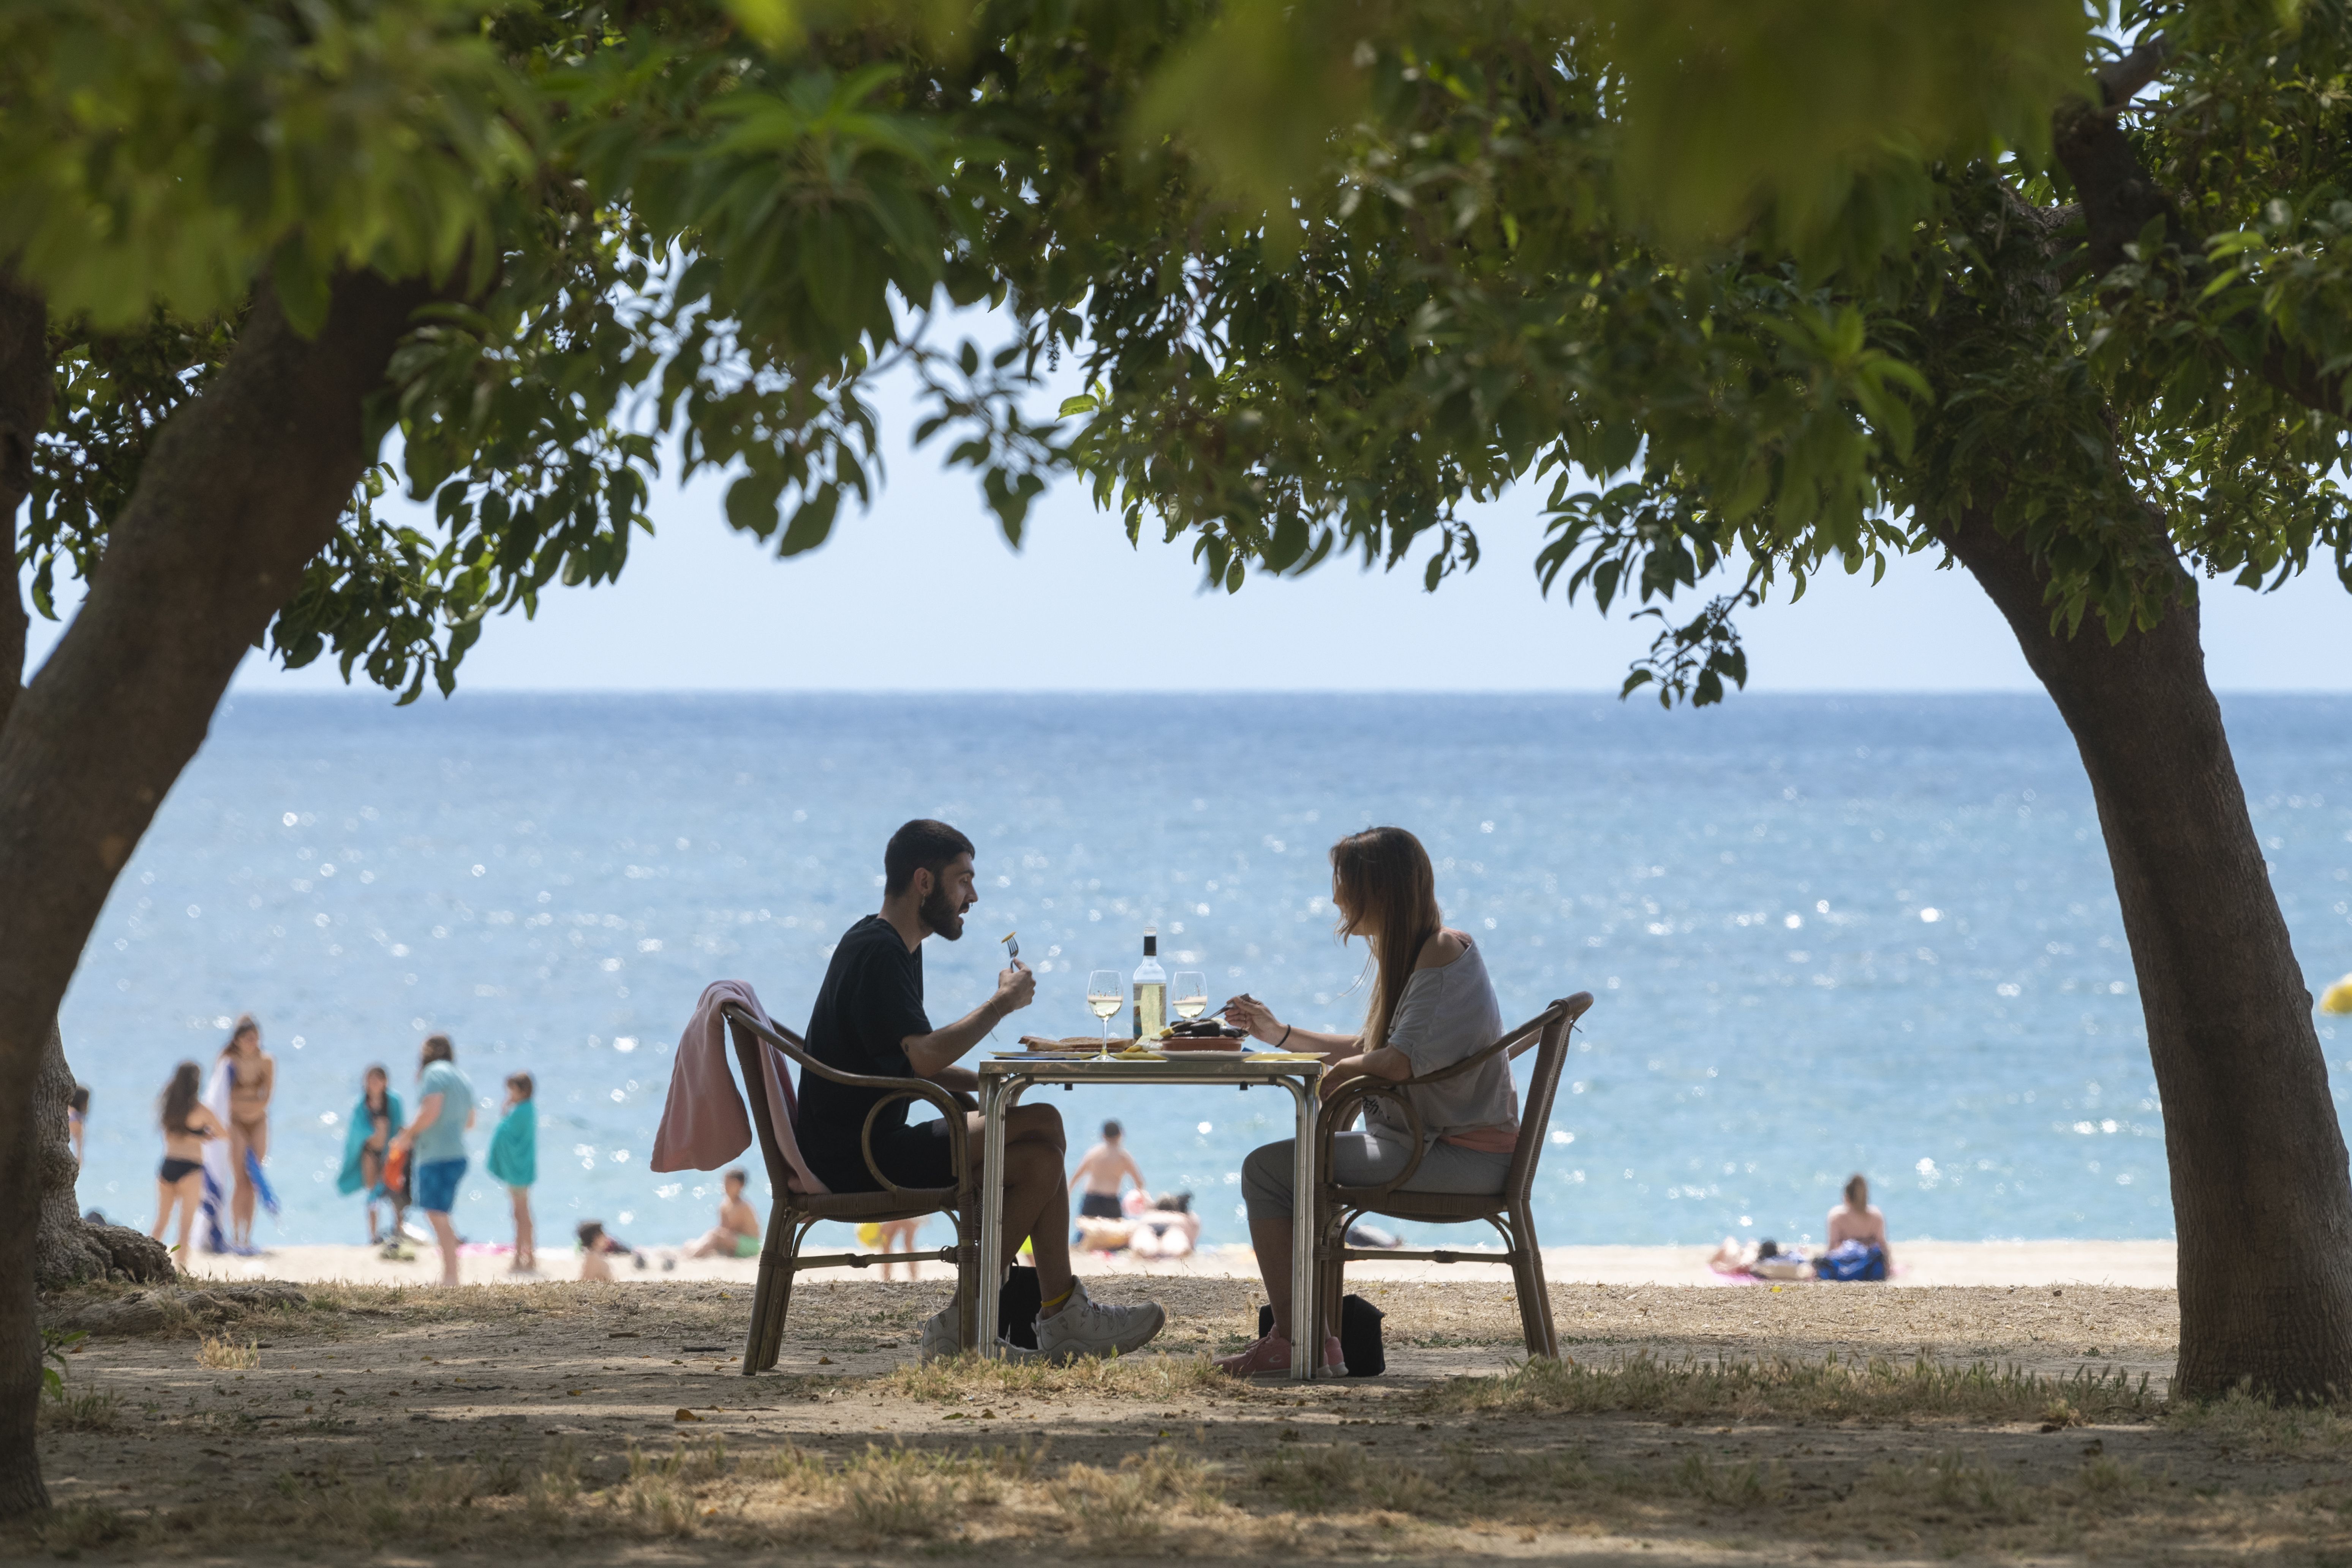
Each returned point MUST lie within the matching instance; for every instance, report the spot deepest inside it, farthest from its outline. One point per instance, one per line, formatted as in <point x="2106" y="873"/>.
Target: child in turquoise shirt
<point x="514" y="1159"/>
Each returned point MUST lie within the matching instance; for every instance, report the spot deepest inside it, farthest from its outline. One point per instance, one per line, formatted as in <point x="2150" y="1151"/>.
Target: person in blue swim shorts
<point x="435" y="1142"/>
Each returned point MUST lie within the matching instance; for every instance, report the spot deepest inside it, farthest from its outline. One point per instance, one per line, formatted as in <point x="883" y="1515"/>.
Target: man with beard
<point x="869" y="1019"/>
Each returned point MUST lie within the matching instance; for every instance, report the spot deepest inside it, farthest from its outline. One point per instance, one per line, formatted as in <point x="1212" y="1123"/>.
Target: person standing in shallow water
<point x="253" y="1080"/>
<point x="437" y="1142"/>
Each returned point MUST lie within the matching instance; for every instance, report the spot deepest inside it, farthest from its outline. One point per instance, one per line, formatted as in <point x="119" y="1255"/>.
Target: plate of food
<point x="1199" y="1034"/>
<point x="1080" y="1045"/>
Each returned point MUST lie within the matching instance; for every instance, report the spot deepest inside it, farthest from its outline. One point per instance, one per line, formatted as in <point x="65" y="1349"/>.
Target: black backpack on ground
<point x="1016" y="1307"/>
<point x="1360" y="1335"/>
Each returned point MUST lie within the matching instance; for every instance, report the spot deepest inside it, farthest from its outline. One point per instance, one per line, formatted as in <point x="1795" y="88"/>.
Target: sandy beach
<point x="2143" y="1265"/>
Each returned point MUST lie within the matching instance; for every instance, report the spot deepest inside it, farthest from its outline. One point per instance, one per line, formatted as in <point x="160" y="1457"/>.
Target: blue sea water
<point x="1827" y="934"/>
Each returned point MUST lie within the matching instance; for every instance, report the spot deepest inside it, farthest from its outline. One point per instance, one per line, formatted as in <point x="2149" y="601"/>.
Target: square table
<point x="1002" y="1080"/>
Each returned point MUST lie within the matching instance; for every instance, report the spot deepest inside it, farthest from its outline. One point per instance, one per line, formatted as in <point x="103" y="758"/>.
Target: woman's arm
<point x="1388" y="1062"/>
<point x="1255" y="1017"/>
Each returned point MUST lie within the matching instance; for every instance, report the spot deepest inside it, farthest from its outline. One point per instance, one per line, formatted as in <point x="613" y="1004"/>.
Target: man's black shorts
<point x="912" y="1156"/>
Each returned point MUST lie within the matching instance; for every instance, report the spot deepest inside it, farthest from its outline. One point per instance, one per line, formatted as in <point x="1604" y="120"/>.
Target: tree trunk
<point x="2261" y="1196"/>
<point x="242" y="485"/>
<point x="69" y="1249"/>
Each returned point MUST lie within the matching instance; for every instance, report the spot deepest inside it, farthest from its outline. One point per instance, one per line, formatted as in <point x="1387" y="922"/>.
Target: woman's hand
<point x="1246" y="1012"/>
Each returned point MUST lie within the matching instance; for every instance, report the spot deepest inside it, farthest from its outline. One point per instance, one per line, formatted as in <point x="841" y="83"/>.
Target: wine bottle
<point x="1151" y="990"/>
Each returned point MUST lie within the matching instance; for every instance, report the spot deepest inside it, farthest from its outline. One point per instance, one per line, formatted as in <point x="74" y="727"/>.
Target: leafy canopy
<point x="1770" y="284"/>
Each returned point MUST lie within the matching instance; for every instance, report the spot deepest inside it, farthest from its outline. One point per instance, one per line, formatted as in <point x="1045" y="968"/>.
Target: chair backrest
<point x="755" y="1056"/>
<point x="1543" y="1087"/>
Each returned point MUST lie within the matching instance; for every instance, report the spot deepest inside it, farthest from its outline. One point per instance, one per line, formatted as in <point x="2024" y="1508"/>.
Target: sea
<point x="1826" y="934"/>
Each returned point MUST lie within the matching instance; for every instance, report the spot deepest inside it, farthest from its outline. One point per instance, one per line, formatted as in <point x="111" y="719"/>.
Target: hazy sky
<point x="923" y="594"/>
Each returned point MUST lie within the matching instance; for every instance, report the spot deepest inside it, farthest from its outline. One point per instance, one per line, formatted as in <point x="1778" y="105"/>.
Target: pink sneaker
<point x="1270" y="1357"/>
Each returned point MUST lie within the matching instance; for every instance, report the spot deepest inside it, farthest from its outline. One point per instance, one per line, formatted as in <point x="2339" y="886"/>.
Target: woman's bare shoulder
<point x="1443" y="948"/>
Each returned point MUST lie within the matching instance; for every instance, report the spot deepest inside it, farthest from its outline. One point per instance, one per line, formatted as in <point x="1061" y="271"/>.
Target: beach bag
<point x="1852" y="1260"/>
<point x="1360" y="1335"/>
<point x="1016" y="1307"/>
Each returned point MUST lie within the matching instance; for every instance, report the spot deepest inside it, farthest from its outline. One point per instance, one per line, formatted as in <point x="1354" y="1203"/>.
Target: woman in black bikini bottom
<point x="181" y="1182"/>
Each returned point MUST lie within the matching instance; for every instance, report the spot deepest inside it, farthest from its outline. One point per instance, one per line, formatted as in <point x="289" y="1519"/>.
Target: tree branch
<point x="2121" y="78"/>
<point x="24" y="415"/>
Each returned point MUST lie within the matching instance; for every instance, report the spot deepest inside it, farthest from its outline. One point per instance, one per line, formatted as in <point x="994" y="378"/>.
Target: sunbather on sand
<point x="869" y="1019"/>
<point x="1858" y="1219"/>
<point x="737" y="1234"/>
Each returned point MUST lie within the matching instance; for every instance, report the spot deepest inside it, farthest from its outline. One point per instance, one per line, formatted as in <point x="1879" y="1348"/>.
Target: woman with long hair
<point x="1431" y="1005"/>
<point x="253" y="1079"/>
<point x="181" y="1181"/>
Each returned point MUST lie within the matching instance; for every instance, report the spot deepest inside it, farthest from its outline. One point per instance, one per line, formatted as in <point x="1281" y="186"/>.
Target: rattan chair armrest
<point x="1344" y="1101"/>
<point x="959" y="1130"/>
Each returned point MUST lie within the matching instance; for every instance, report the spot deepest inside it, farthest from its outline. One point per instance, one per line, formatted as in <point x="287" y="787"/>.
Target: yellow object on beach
<point x="869" y="1235"/>
<point x="2338" y="999"/>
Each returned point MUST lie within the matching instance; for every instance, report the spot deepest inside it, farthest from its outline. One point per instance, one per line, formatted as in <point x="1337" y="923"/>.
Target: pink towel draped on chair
<point x="704" y="1123"/>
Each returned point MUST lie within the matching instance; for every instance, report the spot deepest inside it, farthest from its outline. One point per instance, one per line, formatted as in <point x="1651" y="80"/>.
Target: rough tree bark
<point x="2262" y="1199"/>
<point x="242" y="486"/>
<point x="69" y="1249"/>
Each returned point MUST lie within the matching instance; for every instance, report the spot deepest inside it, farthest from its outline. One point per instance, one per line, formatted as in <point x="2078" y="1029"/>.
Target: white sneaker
<point x="939" y="1340"/>
<point x="1083" y="1327"/>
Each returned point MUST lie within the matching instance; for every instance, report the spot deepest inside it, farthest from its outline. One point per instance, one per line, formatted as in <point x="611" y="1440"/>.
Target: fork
<point x="1012" y="940"/>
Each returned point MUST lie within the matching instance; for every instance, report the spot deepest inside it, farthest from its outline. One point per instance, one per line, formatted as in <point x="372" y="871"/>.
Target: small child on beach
<point x="737" y="1234"/>
<point x="595" y="1247"/>
<point x="514" y="1159"/>
<point x="367" y="1140"/>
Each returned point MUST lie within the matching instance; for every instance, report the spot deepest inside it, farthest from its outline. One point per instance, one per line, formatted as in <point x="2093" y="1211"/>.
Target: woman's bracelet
<point x="1286" y="1035"/>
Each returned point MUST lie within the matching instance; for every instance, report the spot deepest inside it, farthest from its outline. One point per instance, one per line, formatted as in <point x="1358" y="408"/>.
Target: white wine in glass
<point x="1190" y="994"/>
<point x="1106" y="995"/>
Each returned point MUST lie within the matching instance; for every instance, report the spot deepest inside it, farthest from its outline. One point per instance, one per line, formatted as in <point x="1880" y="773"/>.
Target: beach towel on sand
<point x="1852" y="1260"/>
<point x="356" y="1138"/>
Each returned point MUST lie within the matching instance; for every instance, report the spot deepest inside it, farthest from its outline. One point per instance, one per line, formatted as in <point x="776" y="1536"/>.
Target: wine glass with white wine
<point x="1106" y="995"/>
<point x="1189" y="994"/>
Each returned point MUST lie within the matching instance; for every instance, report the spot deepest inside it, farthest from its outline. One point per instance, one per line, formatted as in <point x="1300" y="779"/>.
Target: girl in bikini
<point x="253" y="1077"/>
<point x="186" y="1124"/>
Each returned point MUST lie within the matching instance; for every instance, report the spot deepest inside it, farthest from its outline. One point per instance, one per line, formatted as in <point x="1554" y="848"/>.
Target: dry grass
<point x="227" y="1355"/>
<point x="965" y="1378"/>
<point x="2243" y="1424"/>
<point x="1829" y="1390"/>
<point x="535" y="1423"/>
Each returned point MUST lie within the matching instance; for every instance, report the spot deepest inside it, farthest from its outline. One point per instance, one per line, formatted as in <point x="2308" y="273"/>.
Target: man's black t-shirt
<point x="870" y="1003"/>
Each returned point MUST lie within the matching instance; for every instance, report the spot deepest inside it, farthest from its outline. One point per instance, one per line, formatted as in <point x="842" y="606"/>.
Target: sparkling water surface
<point x="1827" y="934"/>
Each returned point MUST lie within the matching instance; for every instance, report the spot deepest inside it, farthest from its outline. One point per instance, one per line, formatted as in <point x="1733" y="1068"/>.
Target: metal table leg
<point x="993" y="1093"/>
<point x="1305" y="1315"/>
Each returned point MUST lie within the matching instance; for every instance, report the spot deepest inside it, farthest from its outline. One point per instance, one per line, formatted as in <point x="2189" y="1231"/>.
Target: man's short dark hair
<point x="738" y="1177"/>
<point x="1112" y="1129"/>
<point x="922" y="844"/>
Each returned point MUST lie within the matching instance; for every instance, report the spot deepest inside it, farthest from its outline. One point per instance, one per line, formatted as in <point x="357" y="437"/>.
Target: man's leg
<point x="1037" y="1208"/>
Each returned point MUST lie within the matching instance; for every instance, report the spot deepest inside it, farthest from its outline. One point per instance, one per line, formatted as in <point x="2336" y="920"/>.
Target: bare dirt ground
<point x="611" y="1423"/>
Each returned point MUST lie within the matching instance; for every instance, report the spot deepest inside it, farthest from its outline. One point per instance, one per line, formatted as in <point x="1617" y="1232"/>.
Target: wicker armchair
<point x="1509" y="1211"/>
<point x="796" y="1211"/>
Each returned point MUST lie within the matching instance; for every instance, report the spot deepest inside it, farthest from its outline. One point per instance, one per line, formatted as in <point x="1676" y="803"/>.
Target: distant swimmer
<point x="1105" y="1167"/>
<point x="1858" y="1219"/>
